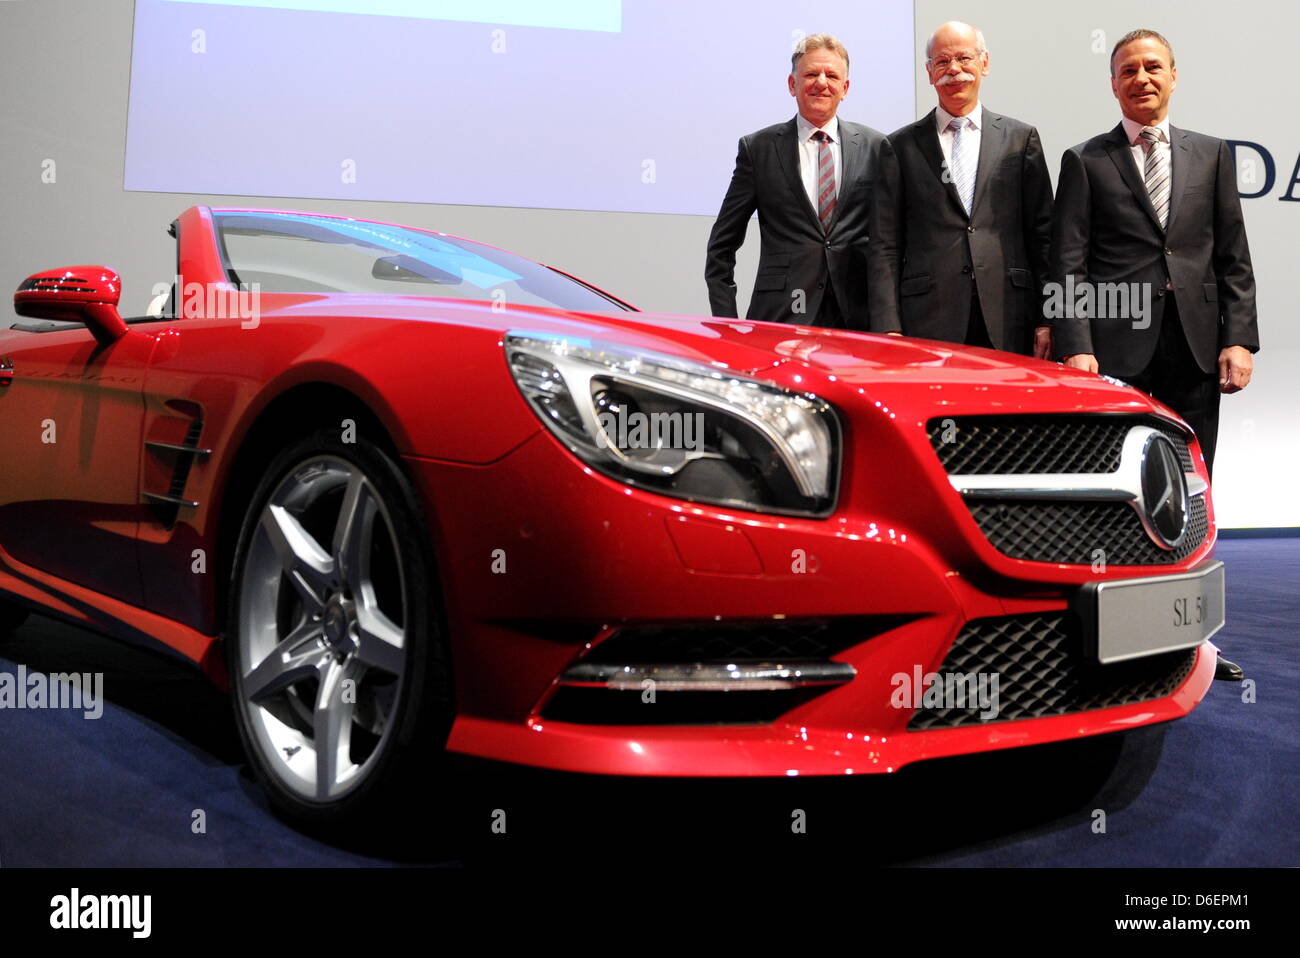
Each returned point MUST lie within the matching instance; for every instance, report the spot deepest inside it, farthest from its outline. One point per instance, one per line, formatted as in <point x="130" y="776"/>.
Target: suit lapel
<point x="1122" y="155"/>
<point x="850" y="165"/>
<point x="992" y="145"/>
<point x="927" y="140"/>
<point x="787" y="153"/>
<point x="1179" y="156"/>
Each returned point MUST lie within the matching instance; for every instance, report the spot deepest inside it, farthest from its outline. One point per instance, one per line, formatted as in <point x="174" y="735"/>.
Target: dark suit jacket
<point x="796" y="253"/>
<point x="926" y="251"/>
<point x="1105" y="230"/>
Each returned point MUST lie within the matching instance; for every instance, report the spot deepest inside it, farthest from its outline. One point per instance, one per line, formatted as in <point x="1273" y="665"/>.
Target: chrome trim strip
<point x="1075" y="485"/>
<point x="177" y="447"/>
<point x="1057" y="485"/>
<point x="171" y="500"/>
<point x="703" y="677"/>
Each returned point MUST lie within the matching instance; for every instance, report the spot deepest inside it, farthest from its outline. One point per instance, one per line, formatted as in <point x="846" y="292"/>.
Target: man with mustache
<point x="962" y="225"/>
<point x="810" y="181"/>
<point x="1151" y="205"/>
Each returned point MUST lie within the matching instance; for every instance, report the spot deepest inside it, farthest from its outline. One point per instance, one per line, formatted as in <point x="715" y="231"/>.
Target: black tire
<point x="11" y="617"/>
<point x="401" y="710"/>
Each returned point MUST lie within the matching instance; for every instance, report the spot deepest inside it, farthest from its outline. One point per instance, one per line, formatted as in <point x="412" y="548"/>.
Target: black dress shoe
<point x="1225" y="671"/>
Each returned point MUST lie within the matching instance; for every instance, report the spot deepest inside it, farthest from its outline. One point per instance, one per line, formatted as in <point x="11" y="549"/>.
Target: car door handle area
<point x="6" y="371"/>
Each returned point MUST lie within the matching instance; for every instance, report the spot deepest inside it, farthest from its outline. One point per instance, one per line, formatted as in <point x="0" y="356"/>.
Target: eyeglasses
<point x="943" y="63"/>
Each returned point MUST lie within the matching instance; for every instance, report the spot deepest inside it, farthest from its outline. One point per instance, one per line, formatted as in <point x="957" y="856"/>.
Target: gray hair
<point x="818" y="41"/>
<point x="980" y="45"/>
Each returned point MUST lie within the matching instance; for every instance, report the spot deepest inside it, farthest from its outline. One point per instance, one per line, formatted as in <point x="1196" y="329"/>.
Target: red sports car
<point x="405" y="493"/>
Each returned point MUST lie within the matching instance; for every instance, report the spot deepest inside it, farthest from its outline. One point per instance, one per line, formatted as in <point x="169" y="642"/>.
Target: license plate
<point x="1129" y="618"/>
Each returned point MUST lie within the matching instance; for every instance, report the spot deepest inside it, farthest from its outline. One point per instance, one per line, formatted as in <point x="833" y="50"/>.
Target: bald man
<point x="961" y="228"/>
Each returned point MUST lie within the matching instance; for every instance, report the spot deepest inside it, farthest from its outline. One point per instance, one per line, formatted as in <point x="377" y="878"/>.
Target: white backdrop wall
<point x="65" y="71"/>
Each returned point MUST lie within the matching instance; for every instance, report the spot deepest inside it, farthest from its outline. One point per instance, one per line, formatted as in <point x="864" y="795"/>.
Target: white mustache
<point x="948" y="78"/>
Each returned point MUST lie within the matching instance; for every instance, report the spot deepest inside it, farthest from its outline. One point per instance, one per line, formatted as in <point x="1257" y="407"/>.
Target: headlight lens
<point x="681" y="428"/>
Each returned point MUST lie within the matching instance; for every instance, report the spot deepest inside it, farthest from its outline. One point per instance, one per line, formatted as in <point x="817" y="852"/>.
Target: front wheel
<point x="337" y="665"/>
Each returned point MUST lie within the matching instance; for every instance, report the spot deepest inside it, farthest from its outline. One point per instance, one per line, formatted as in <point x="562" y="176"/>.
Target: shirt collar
<point x="942" y="117"/>
<point x="1133" y="129"/>
<point x="806" y="129"/>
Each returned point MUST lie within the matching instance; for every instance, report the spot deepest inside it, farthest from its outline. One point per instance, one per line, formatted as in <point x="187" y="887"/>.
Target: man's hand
<point x="1085" y="361"/>
<point x="1043" y="343"/>
<point x="1235" y="367"/>
<point x="893" y="332"/>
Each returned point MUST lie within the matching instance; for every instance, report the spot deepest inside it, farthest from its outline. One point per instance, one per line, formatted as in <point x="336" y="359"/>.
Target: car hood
<point x="877" y="364"/>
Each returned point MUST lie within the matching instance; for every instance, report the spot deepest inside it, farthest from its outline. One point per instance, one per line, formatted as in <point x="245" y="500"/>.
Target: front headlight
<point x="681" y="428"/>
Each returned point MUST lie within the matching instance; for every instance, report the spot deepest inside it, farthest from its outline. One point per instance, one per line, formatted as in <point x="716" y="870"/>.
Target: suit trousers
<point x="1174" y="377"/>
<point x="977" y="331"/>
<point x="829" y="313"/>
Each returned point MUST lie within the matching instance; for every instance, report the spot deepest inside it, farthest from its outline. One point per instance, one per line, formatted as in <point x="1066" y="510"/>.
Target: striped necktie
<point x="1156" y="172"/>
<point x="963" y="165"/>
<point x="825" y="180"/>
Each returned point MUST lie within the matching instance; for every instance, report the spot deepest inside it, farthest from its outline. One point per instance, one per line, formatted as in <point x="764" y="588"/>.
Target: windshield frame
<point x="471" y="246"/>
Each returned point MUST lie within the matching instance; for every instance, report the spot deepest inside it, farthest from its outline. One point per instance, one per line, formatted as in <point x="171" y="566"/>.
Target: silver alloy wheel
<point x="322" y="629"/>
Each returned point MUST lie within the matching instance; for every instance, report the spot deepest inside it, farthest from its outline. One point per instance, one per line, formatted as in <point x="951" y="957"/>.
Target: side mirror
<point x="82" y="294"/>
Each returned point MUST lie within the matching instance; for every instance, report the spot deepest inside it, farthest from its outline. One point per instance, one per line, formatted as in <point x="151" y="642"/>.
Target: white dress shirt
<point x="942" y="118"/>
<point x="808" y="154"/>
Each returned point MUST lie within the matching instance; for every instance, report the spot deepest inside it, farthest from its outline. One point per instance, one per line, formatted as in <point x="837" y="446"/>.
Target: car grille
<point x="1042" y="670"/>
<point x="993" y="445"/>
<point x="1082" y="532"/>
<point x="1063" y="530"/>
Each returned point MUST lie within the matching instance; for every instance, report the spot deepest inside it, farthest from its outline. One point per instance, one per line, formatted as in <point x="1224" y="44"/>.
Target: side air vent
<point x="176" y="459"/>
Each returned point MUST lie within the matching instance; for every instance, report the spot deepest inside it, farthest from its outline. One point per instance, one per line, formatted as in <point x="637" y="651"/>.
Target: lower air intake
<point x="1041" y="669"/>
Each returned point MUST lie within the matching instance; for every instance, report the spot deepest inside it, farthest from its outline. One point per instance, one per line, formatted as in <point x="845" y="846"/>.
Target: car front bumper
<point x="543" y="561"/>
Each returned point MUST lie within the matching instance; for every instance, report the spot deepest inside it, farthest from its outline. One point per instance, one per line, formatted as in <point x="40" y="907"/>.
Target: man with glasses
<point x="961" y="230"/>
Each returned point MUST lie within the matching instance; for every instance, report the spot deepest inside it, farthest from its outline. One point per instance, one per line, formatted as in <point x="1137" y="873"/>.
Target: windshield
<point x="296" y="253"/>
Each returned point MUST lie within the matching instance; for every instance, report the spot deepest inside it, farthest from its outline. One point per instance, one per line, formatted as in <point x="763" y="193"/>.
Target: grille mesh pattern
<point x="1041" y="669"/>
<point x="1179" y="440"/>
<point x="993" y="445"/>
<point x="1070" y="531"/>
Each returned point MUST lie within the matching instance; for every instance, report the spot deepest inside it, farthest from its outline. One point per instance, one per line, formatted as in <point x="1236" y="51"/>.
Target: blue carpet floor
<point x="1219" y="788"/>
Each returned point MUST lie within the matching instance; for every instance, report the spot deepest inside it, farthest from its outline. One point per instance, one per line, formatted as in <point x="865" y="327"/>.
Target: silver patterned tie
<point x="1156" y="173"/>
<point x="963" y="166"/>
